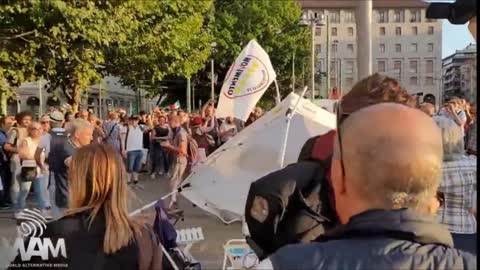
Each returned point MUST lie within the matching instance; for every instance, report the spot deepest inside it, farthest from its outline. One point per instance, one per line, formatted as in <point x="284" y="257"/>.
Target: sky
<point x="454" y="37"/>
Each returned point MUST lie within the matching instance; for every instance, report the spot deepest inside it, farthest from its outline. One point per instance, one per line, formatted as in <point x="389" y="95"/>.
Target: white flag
<point x="246" y="81"/>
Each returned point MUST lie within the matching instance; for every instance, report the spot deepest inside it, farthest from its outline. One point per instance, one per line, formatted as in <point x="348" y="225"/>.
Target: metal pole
<point x="313" y="59"/>
<point x="328" y="58"/>
<point x="283" y="149"/>
<point x="293" y="72"/>
<point x="363" y="19"/>
<point x="340" y="78"/>
<point x="212" y="71"/>
<point x="40" y="99"/>
<point x="189" y="99"/>
<point x="100" y="105"/>
<point x="193" y="96"/>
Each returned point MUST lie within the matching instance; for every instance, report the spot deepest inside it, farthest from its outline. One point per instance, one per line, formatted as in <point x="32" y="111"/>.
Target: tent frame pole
<point x="279" y="98"/>
<point x="287" y="129"/>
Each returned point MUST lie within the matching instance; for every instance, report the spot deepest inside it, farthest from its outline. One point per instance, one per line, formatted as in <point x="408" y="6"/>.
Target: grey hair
<point x="79" y="124"/>
<point x="452" y="138"/>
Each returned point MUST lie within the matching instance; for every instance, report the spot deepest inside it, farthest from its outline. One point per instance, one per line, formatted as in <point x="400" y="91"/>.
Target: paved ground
<point x="209" y="252"/>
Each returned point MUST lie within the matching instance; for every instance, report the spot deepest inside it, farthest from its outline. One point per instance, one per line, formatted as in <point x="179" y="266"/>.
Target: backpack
<point x="57" y="142"/>
<point x="294" y="204"/>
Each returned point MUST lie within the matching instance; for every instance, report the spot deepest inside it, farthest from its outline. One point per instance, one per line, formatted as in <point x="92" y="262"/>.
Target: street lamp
<point x="311" y="19"/>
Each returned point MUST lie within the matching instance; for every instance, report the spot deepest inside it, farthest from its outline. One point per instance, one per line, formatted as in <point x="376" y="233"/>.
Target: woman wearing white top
<point x="26" y="153"/>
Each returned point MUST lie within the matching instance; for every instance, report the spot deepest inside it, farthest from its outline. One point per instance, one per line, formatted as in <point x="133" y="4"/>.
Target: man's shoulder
<point x="371" y="254"/>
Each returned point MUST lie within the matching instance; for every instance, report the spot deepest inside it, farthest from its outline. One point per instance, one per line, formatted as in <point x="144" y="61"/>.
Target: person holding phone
<point x="227" y="130"/>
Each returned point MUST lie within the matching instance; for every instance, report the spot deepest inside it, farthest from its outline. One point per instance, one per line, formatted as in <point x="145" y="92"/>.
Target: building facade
<point x="460" y="74"/>
<point x="405" y="45"/>
<point x="100" y="98"/>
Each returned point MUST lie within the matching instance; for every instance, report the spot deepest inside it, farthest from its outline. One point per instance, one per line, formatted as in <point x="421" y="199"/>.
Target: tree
<point x="275" y="26"/>
<point x="17" y="50"/>
<point x="167" y="38"/>
<point x="73" y="35"/>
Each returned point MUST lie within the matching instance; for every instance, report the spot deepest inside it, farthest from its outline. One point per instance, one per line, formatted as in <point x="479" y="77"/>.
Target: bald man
<point x="385" y="198"/>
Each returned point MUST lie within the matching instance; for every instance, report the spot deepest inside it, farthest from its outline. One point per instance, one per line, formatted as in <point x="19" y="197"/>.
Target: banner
<point x="246" y="81"/>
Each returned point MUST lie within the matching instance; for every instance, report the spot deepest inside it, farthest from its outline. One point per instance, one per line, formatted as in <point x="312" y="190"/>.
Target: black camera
<point x="459" y="12"/>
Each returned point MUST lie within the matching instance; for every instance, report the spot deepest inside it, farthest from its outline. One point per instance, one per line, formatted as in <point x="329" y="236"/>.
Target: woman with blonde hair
<point x="97" y="230"/>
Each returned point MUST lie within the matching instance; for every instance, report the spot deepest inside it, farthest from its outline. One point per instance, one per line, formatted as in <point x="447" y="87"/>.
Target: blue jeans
<point x="465" y="242"/>
<point x="134" y="161"/>
<point x="159" y="159"/>
<point x="39" y="189"/>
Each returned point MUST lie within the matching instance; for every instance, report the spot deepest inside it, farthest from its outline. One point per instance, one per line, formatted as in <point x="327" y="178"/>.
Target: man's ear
<point x="432" y="206"/>
<point x="472" y="27"/>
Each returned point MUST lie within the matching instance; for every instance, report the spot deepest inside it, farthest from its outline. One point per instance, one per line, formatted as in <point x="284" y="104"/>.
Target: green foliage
<point x="275" y="26"/>
<point x="163" y="38"/>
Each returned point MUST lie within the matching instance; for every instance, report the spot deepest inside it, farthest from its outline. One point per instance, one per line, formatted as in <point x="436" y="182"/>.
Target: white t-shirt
<point x="134" y="141"/>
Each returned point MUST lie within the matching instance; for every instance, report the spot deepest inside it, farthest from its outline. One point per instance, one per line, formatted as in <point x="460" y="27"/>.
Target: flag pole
<point x="289" y="118"/>
<point x="279" y="98"/>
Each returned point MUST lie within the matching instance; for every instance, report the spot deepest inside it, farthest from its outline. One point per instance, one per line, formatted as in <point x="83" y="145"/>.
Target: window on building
<point x="430" y="30"/>
<point x="429" y="66"/>
<point x="382" y="48"/>
<point x="428" y="80"/>
<point x="413" y="66"/>
<point x="399" y="16"/>
<point x="350" y="31"/>
<point x="382" y="31"/>
<point x="334" y="31"/>
<point x="413" y="47"/>
<point x="430" y="47"/>
<point x="349" y="81"/>
<point x="415" y="15"/>
<point x="349" y="67"/>
<point x="334" y="16"/>
<point x="398" y="31"/>
<point x="431" y="20"/>
<point x="397" y="69"/>
<point x="398" y="48"/>
<point x="413" y="80"/>
<point x="349" y="16"/>
<point x="350" y="48"/>
<point x="334" y="47"/>
<point x="382" y="16"/>
<point x="318" y="31"/>
<point x="318" y="48"/>
<point x="381" y="66"/>
<point x="414" y="30"/>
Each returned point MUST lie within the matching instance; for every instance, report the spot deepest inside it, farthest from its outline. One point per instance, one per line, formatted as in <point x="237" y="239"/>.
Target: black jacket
<point x="84" y="247"/>
<point x="379" y="239"/>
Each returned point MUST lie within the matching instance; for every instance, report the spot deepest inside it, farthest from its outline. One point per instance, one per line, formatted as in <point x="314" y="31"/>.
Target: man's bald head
<point x="392" y="156"/>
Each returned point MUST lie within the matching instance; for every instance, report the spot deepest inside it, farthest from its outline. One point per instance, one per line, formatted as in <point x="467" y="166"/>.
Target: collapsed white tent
<point x="220" y="185"/>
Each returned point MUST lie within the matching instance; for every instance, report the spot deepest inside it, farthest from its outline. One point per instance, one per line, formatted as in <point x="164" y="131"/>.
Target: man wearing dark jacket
<point x="385" y="196"/>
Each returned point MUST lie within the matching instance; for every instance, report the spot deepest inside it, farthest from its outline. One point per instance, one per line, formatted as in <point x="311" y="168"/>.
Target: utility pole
<point x="193" y="96"/>
<point x="40" y="99"/>
<point x="363" y="18"/>
<point x="189" y="99"/>
<point x="100" y="105"/>
<point x="313" y="25"/>
<point x="293" y="72"/>
<point x="212" y="79"/>
<point x="325" y="94"/>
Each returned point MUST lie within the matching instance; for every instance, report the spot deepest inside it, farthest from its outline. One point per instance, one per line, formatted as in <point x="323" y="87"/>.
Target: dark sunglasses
<point x="44" y="122"/>
<point x="340" y="117"/>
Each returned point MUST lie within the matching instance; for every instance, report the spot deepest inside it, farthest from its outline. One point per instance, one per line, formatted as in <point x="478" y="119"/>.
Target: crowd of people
<point x="164" y="144"/>
<point x="408" y="168"/>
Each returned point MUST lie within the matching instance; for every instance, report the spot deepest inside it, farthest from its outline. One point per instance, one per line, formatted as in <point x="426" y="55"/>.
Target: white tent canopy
<point x="220" y="185"/>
